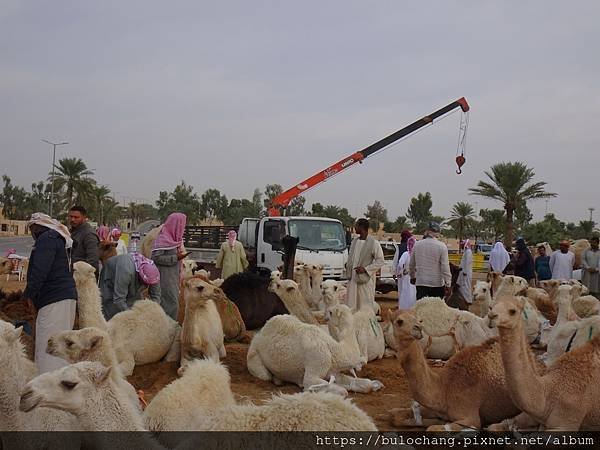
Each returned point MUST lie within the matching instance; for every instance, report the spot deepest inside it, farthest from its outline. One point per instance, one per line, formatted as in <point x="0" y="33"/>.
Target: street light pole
<point x="53" y="164"/>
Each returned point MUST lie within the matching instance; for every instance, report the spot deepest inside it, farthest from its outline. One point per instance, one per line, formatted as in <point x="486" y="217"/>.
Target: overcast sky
<point x="236" y="95"/>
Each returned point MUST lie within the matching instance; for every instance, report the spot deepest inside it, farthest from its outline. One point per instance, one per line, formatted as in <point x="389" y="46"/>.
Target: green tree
<point x="296" y="207"/>
<point x="39" y="199"/>
<point x="522" y="217"/>
<point x="14" y="200"/>
<point x="213" y="205"/>
<point x="492" y="223"/>
<point x="461" y="218"/>
<point x="182" y="199"/>
<point x="376" y="214"/>
<point x="419" y="211"/>
<point x="550" y="230"/>
<point x="237" y="210"/>
<point x="318" y="210"/>
<point x="512" y="184"/>
<point x="72" y="176"/>
<point x="96" y="199"/>
<point x="257" y="205"/>
<point x="401" y="223"/>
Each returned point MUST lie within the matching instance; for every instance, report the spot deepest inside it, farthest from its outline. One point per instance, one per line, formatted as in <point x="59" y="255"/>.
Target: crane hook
<point x="460" y="161"/>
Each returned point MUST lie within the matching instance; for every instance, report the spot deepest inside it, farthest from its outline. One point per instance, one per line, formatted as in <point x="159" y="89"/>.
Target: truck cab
<point x="321" y="240"/>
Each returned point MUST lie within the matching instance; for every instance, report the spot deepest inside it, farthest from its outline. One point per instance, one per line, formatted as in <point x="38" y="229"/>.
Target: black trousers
<point x="428" y="291"/>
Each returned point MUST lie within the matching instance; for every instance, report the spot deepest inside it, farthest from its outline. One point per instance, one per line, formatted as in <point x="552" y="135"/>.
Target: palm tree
<point x="99" y="197"/>
<point x="512" y="184"/>
<point x="461" y="216"/>
<point x="72" y="175"/>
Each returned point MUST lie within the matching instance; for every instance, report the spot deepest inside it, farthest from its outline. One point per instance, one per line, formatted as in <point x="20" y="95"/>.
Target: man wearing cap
<point x="429" y="267"/>
<point x="50" y="286"/>
<point x="562" y="262"/>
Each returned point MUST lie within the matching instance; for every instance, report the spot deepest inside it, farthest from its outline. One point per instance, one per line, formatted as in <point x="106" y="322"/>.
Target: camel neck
<point x="522" y="379"/>
<point x="90" y="305"/>
<point x="110" y="413"/>
<point x="423" y="382"/>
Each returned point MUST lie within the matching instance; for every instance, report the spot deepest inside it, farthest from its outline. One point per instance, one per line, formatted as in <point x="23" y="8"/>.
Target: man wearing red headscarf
<point x="232" y="256"/>
<point x="167" y="252"/>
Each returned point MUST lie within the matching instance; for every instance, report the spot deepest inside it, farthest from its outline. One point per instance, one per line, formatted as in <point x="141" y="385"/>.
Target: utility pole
<point x="592" y="214"/>
<point x="53" y="164"/>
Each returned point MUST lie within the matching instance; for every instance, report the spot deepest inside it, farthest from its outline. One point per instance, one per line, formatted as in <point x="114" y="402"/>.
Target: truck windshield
<point x="318" y="234"/>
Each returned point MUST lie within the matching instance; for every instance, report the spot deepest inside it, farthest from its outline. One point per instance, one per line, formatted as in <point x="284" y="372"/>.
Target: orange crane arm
<point x="283" y="200"/>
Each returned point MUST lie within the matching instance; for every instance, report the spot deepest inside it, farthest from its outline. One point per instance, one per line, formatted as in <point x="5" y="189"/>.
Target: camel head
<point x="341" y="322"/>
<point x="5" y="265"/>
<point x="313" y="269"/>
<point x="512" y="285"/>
<point x="67" y="389"/>
<point x="565" y="295"/>
<point x="197" y="291"/>
<point x="276" y="275"/>
<point x="549" y="286"/>
<point x="330" y="287"/>
<point x="299" y="272"/>
<point x="283" y="287"/>
<point x="482" y="291"/>
<point x="76" y="345"/>
<point x="581" y="289"/>
<point x="83" y="272"/>
<point x="506" y="312"/>
<point x="494" y="278"/>
<point x="107" y="250"/>
<point x="407" y="326"/>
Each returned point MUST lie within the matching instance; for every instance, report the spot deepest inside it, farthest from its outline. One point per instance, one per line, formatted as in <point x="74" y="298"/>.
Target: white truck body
<point x="321" y="241"/>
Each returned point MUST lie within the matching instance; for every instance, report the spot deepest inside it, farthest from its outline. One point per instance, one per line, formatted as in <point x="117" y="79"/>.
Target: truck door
<point x="270" y="249"/>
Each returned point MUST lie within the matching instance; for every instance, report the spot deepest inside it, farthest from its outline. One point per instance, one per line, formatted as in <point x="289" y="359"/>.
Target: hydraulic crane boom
<point x="283" y="200"/>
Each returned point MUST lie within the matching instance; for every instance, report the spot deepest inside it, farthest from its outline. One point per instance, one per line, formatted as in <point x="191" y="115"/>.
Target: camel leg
<point x="126" y="362"/>
<point x="174" y="353"/>
<point x="314" y="364"/>
<point x="212" y="352"/>
<point x="522" y="422"/>
<point x="363" y="385"/>
<point x="222" y="351"/>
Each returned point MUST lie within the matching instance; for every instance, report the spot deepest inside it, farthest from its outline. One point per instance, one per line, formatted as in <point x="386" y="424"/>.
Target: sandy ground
<point x="152" y="377"/>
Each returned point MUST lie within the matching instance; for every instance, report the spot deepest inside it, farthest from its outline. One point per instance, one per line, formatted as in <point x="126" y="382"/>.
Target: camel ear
<point x="13" y="335"/>
<point x="96" y="342"/>
<point x="290" y="288"/>
<point x="101" y="374"/>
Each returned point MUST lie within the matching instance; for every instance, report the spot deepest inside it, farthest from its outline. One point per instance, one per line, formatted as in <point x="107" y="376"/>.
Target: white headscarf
<point x="499" y="257"/>
<point x="46" y="221"/>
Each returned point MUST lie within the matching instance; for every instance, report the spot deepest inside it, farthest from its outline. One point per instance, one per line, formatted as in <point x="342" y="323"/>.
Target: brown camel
<point x="567" y="396"/>
<point x="469" y="391"/>
<point x="234" y="328"/>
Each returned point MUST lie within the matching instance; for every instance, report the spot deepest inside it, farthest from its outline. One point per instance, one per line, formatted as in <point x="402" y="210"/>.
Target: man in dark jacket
<point x="523" y="262"/>
<point x="50" y="286"/>
<point x="85" y="239"/>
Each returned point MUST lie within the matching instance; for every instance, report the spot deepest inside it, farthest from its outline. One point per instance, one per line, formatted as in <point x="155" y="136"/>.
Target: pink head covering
<point x="171" y="233"/>
<point x="115" y="233"/>
<point x="103" y="232"/>
<point x="231" y="236"/>
<point x="10" y="251"/>
<point x="410" y="244"/>
<point x="467" y="244"/>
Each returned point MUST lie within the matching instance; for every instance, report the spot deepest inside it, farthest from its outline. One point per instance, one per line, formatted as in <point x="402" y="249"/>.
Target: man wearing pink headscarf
<point x="167" y="252"/>
<point x="407" y="292"/>
<point x="232" y="256"/>
<point x="115" y="236"/>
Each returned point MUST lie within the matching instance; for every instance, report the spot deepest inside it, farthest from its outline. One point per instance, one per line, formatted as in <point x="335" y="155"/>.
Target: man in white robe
<point x="499" y="258"/>
<point x="466" y="274"/>
<point x="364" y="260"/>
<point x="562" y="262"/>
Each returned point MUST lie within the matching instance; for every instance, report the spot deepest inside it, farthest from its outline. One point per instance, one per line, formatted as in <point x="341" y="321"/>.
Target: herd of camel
<point x="499" y="384"/>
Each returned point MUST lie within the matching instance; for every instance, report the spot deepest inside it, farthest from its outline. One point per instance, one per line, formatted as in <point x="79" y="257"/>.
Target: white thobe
<point x="361" y="295"/>
<point x="466" y="276"/>
<point x="407" y="292"/>
<point x="561" y="265"/>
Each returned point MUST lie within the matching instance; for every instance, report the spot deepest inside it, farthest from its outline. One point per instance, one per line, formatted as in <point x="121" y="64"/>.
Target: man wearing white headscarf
<point x="466" y="274"/>
<point x="50" y="286"/>
<point x="499" y="258"/>
<point x="407" y="292"/>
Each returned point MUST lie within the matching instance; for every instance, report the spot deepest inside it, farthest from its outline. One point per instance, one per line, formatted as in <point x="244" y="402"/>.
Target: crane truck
<point x="321" y="240"/>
